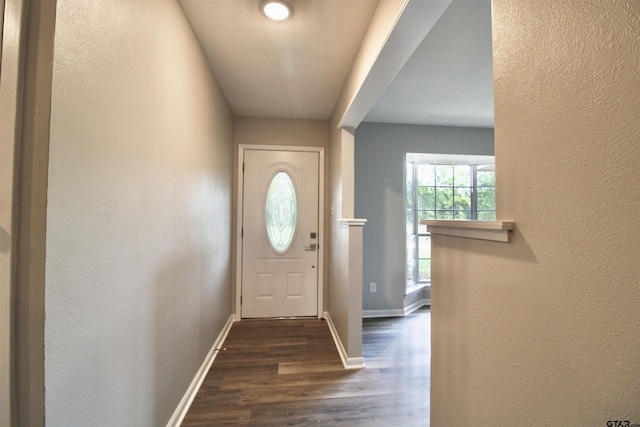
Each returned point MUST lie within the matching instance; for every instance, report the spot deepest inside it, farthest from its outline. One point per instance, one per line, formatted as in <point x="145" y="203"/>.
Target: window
<point x="455" y="187"/>
<point x="281" y="212"/>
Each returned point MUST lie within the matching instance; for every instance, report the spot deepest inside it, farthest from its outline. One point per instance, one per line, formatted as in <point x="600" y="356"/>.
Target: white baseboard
<point x="369" y="314"/>
<point x="181" y="411"/>
<point x="347" y="362"/>
<point x="416" y="305"/>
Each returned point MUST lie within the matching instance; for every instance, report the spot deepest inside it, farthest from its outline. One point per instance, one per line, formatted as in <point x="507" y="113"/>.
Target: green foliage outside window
<point x="443" y="191"/>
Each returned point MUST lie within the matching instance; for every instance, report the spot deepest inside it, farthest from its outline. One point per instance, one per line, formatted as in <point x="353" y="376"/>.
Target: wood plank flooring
<point x="288" y="373"/>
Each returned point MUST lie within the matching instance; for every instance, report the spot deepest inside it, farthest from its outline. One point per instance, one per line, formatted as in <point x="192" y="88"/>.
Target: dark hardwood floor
<point x="289" y="373"/>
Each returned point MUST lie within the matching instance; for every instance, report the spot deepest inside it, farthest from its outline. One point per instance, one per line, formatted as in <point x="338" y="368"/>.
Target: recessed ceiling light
<point x="277" y="10"/>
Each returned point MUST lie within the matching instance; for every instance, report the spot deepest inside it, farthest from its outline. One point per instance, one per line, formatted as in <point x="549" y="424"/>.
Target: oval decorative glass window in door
<point x="281" y="212"/>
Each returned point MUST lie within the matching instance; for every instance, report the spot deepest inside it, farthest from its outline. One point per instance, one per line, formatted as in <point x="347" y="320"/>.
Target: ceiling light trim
<point x="277" y="10"/>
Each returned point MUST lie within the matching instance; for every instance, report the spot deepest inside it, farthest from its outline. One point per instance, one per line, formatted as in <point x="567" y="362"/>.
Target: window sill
<point x="352" y="222"/>
<point x="496" y="231"/>
<point x="413" y="287"/>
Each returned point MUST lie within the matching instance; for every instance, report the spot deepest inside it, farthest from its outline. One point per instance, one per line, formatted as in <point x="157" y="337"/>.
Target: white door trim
<point x="321" y="243"/>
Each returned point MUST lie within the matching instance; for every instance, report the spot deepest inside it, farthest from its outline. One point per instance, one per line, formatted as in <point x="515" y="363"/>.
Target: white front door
<point x="280" y="238"/>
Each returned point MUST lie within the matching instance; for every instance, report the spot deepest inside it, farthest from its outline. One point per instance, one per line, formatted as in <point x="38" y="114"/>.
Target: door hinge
<point x="240" y="299"/>
<point x="242" y="167"/>
<point x="242" y="233"/>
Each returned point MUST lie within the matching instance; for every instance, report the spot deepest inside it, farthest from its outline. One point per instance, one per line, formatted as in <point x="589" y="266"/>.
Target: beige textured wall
<point x="339" y="303"/>
<point x="138" y="281"/>
<point x="545" y="330"/>
<point x="342" y="310"/>
<point x="271" y="131"/>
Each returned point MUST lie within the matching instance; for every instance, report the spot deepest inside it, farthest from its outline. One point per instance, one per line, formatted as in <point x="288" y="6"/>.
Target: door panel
<point x="280" y="274"/>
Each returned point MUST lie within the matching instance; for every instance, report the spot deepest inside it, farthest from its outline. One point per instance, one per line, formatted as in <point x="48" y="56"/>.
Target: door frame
<point x="12" y="48"/>
<point x="239" y="212"/>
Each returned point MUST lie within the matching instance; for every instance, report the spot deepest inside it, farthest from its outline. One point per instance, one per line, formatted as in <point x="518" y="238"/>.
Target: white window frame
<point x="436" y="159"/>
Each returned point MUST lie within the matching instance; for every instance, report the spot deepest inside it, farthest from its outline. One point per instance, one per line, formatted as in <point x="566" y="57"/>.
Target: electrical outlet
<point x="372" y="287"/>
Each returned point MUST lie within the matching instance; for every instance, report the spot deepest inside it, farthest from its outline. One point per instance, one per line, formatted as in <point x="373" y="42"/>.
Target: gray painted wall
<point x="379" y="196"/>
<point x="138" y="259"/>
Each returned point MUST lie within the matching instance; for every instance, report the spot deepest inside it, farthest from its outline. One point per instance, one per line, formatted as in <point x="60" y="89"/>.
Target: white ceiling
<point x="294" y="68"/>
<point x="449" y="78"/>
<point x="297" y="68"/>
